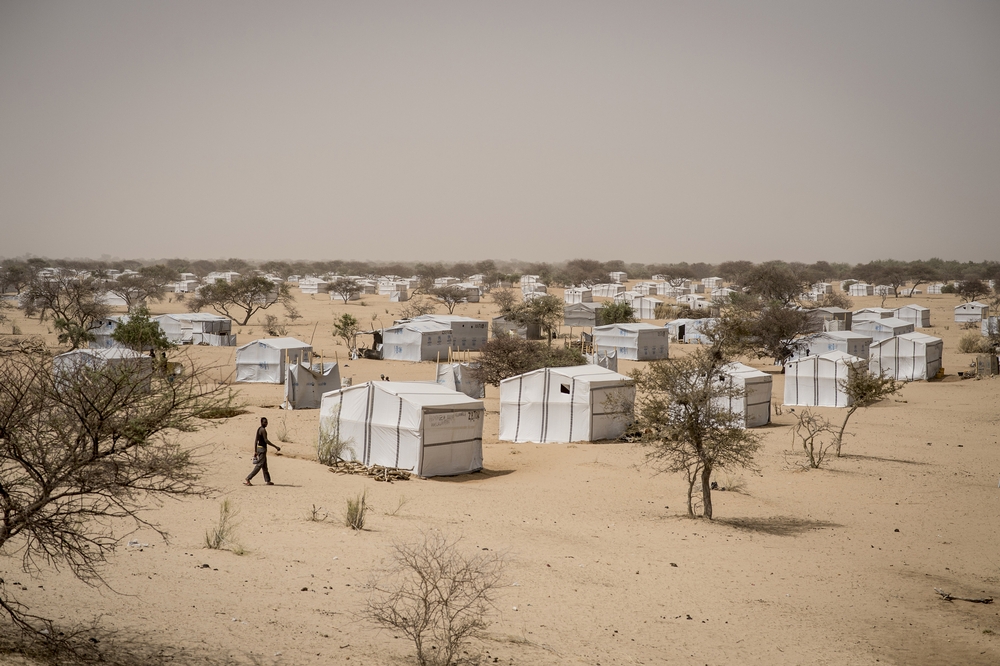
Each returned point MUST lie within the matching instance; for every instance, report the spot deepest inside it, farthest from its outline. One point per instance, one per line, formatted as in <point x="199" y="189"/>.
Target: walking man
<point x="260" y="454"/>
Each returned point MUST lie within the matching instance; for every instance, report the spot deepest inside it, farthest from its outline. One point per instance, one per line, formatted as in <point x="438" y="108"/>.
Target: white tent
<point x="74" y="361"/>
<point x="102" y="330"/>
<point x="990" y="325"/>
<point x="605" y="359"/>
<point x="417" y="341"/>
<point x="582" y="403"/>
<point x="917" y="315"/>
<point x="851" y="342"/>
<point x="458" y="377"/>
<point x="425" y="428"/>
<point x="691" y="331"/>
<point x="935" y="288"/>
<point x="313" y="286"/>
<point x="196" y="328"/>
<point x="644" y="307"/>
<point x="711" y="282"/>
<point x="880" y="329"/>
<point x="618" y="276"/>
<point x="607" y="290"/>
<point x="861" y="289"/>
<point x="868" y="314"/>
<point x="578" y="295"/>
<point x="972" y="312"/>
<point x="815" y="381"/>
<point x="264" y="361"/>
<point x="908" y="357"/>
<point x="755" y="402"/>
<point x="399" y="295"/>
<point x="305" y="385"/>
<point x="634" y="342"/>
<point x="581" y="314"/>
<point x="467" y="333"/>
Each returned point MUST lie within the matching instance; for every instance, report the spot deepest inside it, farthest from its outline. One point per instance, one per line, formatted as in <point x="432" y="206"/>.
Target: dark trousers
<point x="261" y="465"/>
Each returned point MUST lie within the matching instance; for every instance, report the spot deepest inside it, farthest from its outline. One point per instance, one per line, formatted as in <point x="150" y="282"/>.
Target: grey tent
<point x="458" y="377"/>
<point x="581" y="314"/>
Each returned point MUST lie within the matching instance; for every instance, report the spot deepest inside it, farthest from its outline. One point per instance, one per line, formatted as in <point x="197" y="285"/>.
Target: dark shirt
<point x="260" y="444"/>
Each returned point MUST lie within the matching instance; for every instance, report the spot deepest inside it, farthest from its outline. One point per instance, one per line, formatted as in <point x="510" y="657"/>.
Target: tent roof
<point x="193" y="316"/>
<point x="922" y="338"/>
<point x="105" y="353"/>
<point x="972" y="303"/>
<point x="891" y="322"/>
<point x="445" y="318"/>
<point x="583" y="306"/>
<point x="912" y="306"/>
<point x="421" y="394"/>
<point x="279" y="343"/>
<point x="843" y="335"/>
<point x="630" y="327"/>
<point x="422" y="326"/>
<point x="591" y="374"/>
<point x="737" y="369"/>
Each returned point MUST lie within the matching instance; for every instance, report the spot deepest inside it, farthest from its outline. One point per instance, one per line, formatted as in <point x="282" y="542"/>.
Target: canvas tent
<point x="861" y="289"/>
<point x="880" y="329"/>
<point x="264" y="361"/>
<point x="422" y="427"/>
<point x="103" y="329"/>
<point x="417" y="341"/>
<point x="634" y="342"/>
<point x="581" y="314"/>
<point x="972" y="312"/>
<point x="74" y="361"/>
<point x="851" y="342"/>
<point x="907" y="357"/>
<point x="527" y="332"/>
<point x="578" y="295"/>
<point x="305" y="384"/>
<point x="582" y="403"/>
<point x="917" y="315"/>
<point x="458" y="377"/>
<point x="605" y="359"/>
<point x="644" y="307"/>
<point x="197" y="328"/>
<point x="691" y="331"/>
<point x="607" y="290"/>
<point x="754" y="403"/>
<point x="815" y="381"/>
<point x="467" y="333"/>
<point x="990" y="326"/>
<point x="830" y="319"/>
<point x="867" y="314"/>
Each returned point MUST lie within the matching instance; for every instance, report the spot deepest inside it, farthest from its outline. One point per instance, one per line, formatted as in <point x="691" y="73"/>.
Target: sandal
<point x="247" y="483"/>
<point x="268" y="483"/>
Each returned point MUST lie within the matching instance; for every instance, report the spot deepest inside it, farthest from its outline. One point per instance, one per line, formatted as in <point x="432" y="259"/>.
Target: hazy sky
<point x="542" y="130"/>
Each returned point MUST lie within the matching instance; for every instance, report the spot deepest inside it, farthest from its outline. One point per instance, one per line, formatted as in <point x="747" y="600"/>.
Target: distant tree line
<point x="16" y="273"/>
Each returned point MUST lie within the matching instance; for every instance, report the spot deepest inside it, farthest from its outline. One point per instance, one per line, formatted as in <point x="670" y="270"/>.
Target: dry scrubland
<point x="830" y="566"/>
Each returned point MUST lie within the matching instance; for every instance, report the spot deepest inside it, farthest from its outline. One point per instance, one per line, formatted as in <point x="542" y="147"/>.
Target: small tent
<point x="578" y="295"/>
<point x="459" y="377"/>
<point x="861" y="289"/>
<point x="816" y="381"/>
<point x="634" y="342"/>
<point x="467" y="333"/>
<point x="264" y="361"/>
<point x="907" y="357"/>
<point x="581" y="314"/>
<point x="643" y="307"/>
<point x="990" y="326"/>
<point x="422" y="427"/>
<point x="868" y="314"/>
<point x="197" y="328"/>
<point x="754" y="403"/>
<point x="609" y="290"/>
<point x="880" y="329"/>
<point x="830" y="319"/>
<point x="73" y="361"/>
<point x="417" y="341"/>
<point x="972" y="312"/>
<point x="582" y="403"/>
<point x="690" y="331"/>
<point x="305" y="384"/>
<point x="917" y="315"/>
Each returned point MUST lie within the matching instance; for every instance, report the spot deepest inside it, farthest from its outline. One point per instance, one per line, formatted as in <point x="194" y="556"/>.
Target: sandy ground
<point x="830" y="566"/>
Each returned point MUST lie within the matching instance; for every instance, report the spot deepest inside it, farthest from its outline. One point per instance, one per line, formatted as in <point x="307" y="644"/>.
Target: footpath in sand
<point x="831" y="566"/>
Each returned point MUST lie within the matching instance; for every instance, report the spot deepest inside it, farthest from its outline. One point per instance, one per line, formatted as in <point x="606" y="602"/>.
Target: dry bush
<point x="436" y="595"/>
<point x="974" y="343"/>
<point x="810" y="430"/>
<point x="357" y="511"/>
<point x="316" y="514"/>
<point x="329" y="446"/>
<point x="273" y="327"/>
<point x="223" y="534"/>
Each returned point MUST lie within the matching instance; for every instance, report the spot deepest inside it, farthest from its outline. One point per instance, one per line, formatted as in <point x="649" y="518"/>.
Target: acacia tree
<point x="75" y="302"/>
<point x="508" y="356"/>
<point x="138" y="288"/>
<point x="347" y="328"/>
<point x="346" y="288"/>
<point x="750" y="325"/>
<point x="544" y="311"/>
<point x="451" y="295"/>
<point x="616" y="313"/>
<point x="682" y="410"/>
<point x="81" y="450"/>
<point x="243" y="297"/>
<point x="972" y="289"/>
<point x="141" y="333"/>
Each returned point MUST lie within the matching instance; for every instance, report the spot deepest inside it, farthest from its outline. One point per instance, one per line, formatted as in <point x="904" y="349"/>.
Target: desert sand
<point x="829" y="566"/>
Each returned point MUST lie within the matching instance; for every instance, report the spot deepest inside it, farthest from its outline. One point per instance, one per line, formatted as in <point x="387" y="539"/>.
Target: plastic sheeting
<point x="584" y="403"/>
<point x="880" y="329"/>
<point x="421" y="427"/>
<point x="458" y="377"/>
<point x="264" y="361"/>
<point x="907" y="357"/>
<point x="815" y="381"/>
<point x="849" y="342"/>
<point x="305" y="385"/>
<point x="633" y="342"/>
<point x="605" y="359"/>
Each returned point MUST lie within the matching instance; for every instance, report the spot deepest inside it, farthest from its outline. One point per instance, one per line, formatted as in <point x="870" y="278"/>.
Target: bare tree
<point x="432" y="592"/>
<point x="243" y="297"/>
<point x="346" y="288"/>
<point x="682" y="410"/>
<point x="417" y="307"/>
<point x="76" y="303"/>
<point x="84" y="448"/>
<point x="811" y="430"/>
<point x="451" y="295"/>
<point x="137" y="289"/>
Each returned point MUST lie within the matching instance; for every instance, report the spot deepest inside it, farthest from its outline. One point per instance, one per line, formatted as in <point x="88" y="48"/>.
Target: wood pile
<point x="377" y="472"/>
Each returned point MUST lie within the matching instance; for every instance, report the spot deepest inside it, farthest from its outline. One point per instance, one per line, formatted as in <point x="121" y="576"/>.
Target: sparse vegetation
<point x="508" y="355"/>
<point x="316" y="514"/>
<point x="223" y="533"/>
<point x="811" y="430"/>
<point x="436" y="595"/>
<point x="864" y="389"/>
<point x="973" y="342"/>
<point x="357" y="511"/>
<point x="274" y="327"/>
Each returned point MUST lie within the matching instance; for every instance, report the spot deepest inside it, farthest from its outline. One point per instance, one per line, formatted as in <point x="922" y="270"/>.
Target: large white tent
<point x="425" y="428"/>
<point x="754" y="403"/>
<point x="852" y="342"/>
<point x="417" y="341"/>
<point x="305" y="384"/>
<point x="643" y="307"/>
<point x="691" y="331"/>
<point x="196" y="328"/>
<point x="578" y="295"/>
<point x="634" y="342"/>
<point x="583" y="403"/>
<point x="74" y="361"/>
<point x="907" y="357"/>
<point x="816" y="381"/>
<point x="467" y="333"/>
<point x="880" y="329"/>
<point x="264" y="361"/>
